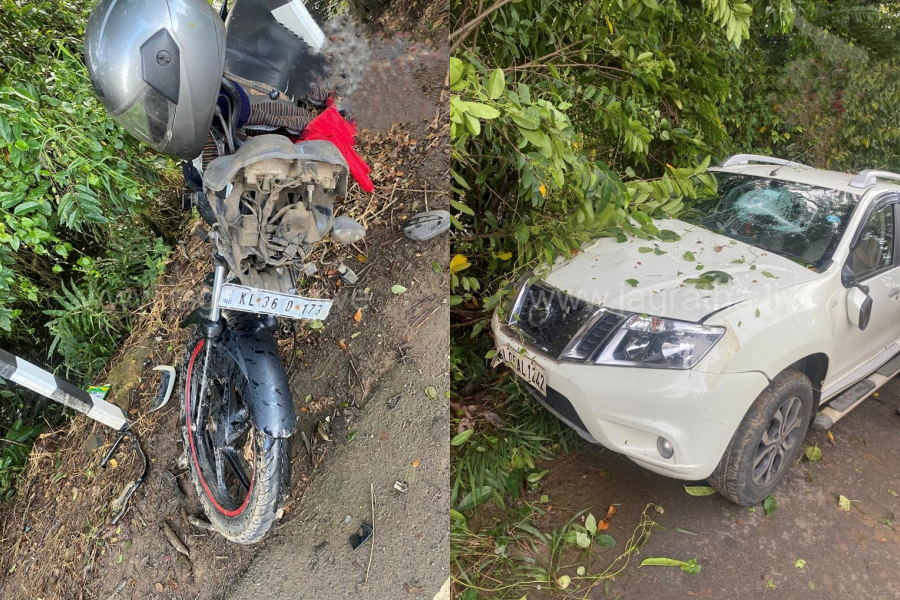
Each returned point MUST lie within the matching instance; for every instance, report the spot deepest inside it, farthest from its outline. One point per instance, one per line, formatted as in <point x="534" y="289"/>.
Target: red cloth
<point x="331" y="126"/>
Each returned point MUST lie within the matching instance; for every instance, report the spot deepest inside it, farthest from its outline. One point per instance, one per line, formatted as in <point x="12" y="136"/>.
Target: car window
<point x="875" y="248"/>
<point x="796" y="220"/>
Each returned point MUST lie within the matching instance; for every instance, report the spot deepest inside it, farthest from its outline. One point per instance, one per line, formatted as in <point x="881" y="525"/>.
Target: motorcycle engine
<point x="272" y="200"/>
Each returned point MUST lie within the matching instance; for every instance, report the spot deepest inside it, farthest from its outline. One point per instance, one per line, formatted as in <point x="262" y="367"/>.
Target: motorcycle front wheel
<point x="241" y="474"/>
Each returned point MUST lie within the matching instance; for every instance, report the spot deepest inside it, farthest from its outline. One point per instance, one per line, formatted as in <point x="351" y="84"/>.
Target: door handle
<point x="893" y="293"/>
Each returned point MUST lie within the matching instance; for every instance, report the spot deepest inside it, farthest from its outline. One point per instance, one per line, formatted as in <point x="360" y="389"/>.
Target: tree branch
<point x="463" y="32"/>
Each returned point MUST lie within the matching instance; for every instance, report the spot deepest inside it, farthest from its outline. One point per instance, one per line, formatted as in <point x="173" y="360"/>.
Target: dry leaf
<point x="358" y="316"/>
<point x="362" y="258"/>
<point x="416" y="463"/>
<point x="113" y="463"/>
<point x="718" y="248"/>
<point x="342" y="345"/>
<point x="604" y="524"/>
<point x="829" y="436"/>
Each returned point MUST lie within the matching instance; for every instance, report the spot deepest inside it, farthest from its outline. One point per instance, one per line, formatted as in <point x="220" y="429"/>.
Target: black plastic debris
<point x="393" y="401"/>
<point x="361" y="536"/>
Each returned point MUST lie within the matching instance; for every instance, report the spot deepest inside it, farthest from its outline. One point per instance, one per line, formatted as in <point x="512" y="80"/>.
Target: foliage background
<point x="86" y="214"/>
<point x="585" y="118"/>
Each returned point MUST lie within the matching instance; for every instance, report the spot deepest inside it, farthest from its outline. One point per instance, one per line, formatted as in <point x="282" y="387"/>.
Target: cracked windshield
<point x="796" y="220"/>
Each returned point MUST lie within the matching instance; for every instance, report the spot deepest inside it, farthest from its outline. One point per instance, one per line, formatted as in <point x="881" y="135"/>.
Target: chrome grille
<point x="549" y="319"/>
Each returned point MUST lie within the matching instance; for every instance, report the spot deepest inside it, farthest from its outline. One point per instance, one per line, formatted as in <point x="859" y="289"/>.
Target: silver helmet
<point x="157" y="66"/>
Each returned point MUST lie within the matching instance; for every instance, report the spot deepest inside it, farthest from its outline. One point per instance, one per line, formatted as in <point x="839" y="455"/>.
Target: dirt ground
<point x="56" y="538"/>
<point x="744" y="553"/>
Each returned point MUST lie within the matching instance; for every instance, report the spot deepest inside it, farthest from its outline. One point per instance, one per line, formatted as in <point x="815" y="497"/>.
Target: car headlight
<point x="662" y="343"/>
<point x="517" y="295"/>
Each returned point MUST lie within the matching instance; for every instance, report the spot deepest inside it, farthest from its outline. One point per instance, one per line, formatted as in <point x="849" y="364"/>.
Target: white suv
<point x="708" y="356"/>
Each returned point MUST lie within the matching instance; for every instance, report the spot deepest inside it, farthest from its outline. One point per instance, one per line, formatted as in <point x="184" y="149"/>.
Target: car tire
<point x="767" y="441"/>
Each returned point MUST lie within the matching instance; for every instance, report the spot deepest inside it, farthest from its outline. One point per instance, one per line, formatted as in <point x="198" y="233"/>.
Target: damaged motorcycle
<point x="264" y="164"/>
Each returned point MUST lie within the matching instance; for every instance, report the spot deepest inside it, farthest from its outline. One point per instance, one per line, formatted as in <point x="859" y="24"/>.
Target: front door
<point x="873" y="260"/>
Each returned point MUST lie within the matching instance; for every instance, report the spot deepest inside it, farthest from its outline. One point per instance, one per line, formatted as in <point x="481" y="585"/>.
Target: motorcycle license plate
<point x="524" y="367"/>
<point x="248" y="299"/>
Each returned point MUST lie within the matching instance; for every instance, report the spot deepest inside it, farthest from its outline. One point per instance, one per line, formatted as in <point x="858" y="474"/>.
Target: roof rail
<point x="745" y="159"/>
<point x="870" y="177"/>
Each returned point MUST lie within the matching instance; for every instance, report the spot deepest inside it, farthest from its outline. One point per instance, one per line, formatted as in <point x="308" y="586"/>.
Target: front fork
<point x="214" y="328"/>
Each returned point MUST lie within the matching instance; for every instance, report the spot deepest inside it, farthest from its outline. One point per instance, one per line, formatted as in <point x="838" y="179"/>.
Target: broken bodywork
<point x="272" y="199"/>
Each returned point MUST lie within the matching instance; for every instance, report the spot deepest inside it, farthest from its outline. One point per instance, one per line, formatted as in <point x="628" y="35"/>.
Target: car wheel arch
<point x="815" y="367"/>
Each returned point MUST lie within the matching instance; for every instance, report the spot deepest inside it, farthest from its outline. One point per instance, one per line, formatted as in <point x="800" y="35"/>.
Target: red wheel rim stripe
<point x="187" y="412"/>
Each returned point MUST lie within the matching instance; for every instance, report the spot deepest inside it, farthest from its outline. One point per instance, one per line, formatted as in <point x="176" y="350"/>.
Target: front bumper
<point x="626" y="409"/>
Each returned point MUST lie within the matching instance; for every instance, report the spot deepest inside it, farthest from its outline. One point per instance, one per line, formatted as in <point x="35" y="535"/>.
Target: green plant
<point x="81" y="202"/>
<point x="15" y="444"/>
<point x="514" y="556"/>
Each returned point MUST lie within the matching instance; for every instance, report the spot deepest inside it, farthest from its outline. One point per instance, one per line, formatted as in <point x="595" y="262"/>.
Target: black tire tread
<point x="271" y="483"/>
<point x="727" y="478"/>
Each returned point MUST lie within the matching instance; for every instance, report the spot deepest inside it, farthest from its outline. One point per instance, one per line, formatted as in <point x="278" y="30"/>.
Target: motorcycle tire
<point x="243" y="507"/>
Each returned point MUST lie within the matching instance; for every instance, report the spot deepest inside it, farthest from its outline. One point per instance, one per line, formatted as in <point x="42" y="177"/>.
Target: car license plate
<point x="524" y="367"/>
<point x="248" y="299"/>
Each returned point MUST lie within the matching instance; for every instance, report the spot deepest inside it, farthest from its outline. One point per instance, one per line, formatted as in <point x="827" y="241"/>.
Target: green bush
<point x="83" y="207"/>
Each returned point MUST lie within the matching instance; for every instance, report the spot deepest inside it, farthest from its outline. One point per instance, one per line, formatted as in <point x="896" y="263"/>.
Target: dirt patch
<point x="56" y="534"/>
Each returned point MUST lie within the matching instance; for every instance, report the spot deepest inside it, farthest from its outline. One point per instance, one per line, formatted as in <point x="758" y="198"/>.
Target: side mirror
<point x="859" y="303"/>
<point x="859" y="307"/>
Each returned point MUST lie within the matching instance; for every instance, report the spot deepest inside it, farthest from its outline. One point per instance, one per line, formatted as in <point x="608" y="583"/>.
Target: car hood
<point x="623" y="276"/>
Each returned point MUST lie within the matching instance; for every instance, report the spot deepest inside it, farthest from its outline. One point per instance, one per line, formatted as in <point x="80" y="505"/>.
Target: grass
<point x="510" y="435"/>
<point x="497" y="549"/>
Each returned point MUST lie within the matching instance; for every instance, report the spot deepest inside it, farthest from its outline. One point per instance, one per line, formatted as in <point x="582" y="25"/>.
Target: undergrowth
<point x="87" y="214"/>
<point x="514" y="556"/>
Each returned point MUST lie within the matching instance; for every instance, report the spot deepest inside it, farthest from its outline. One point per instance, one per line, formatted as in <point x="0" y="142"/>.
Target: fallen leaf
<point x="690" y="566"/>
<point x="604" y="524"/>
<point x="158" y="587"/>
<point x="362" y="258"/>
<point x="494" y="419"/>
<point x="563" y="581"/>
<point x="342" y="345"/>
<point x="398" y="289"/>
<point x="580" y="570"/>
<point x="113" y="463"/>
<point x="813" y="453"/>
<point x="415" y="463"/>
<point x="632" y="282"/>
<point x="719" y="248"/>
<point x="844" y="503"/>
<point x="829" y="436"/>
<point x="358" y="316"/>
<point x="699" y="490"/>
<point x="459" y="439"/>
<point x="800" y="563"/>
<point x="431" y="392"/>
<point x="770" y="504"/>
